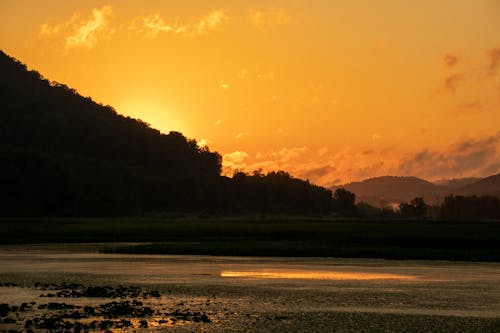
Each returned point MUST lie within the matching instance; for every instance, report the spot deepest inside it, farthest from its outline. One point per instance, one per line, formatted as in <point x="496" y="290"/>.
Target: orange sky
<point x="331" y="91"/>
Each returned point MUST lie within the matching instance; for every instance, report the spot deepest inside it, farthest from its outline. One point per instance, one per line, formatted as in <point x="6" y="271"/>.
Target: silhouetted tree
<point x="420" y="207"/>
<point x="470" y="207"/>
<point x="416" y="208"/>
<point x="343" y="202"/>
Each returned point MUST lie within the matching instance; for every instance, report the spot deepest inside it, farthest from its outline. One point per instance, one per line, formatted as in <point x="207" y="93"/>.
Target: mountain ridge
<point x="389" y="190"/>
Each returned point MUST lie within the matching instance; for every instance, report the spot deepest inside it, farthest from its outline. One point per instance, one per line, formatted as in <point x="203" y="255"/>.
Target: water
<point x="279" y="294"/>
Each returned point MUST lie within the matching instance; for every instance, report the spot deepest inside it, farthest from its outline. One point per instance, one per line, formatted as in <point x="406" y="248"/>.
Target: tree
<point x="420" y="207"/>
<point x="416" y="208"/>
<point x="343" y="202"/>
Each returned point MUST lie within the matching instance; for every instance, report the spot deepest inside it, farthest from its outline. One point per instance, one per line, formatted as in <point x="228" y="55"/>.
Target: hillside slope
<point x="64" y="154"/>
<point x="486" y="186"/>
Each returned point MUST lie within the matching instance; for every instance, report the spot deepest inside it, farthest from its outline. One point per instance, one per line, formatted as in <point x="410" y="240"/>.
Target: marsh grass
<point x="270" y="236"/>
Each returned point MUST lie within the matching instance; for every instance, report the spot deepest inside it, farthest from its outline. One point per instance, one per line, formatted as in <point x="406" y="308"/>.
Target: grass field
<point x="269" y="236"/>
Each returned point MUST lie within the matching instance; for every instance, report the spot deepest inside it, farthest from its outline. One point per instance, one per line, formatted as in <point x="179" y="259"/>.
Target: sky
<point x="331" y="91"/>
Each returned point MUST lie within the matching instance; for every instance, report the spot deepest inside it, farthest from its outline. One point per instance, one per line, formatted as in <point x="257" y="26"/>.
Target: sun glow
<point x="156" y="114"/>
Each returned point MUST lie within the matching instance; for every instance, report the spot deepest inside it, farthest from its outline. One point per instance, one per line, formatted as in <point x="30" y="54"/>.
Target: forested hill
<point x="64" y="154"/>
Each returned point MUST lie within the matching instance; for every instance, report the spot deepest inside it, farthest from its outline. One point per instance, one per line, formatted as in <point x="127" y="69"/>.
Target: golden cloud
<point x="262" y="19"/>
<point x="82" y="32"/>
<point x="152" y="25"/>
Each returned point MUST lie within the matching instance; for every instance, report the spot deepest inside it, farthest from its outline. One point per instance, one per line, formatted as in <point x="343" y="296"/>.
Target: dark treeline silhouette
<point x="277" y="192"/>
<point x="452" y="208"/>
<point x="415" y="208"/>
<point x="62" y="154"/>
<point x="470" y="207"/>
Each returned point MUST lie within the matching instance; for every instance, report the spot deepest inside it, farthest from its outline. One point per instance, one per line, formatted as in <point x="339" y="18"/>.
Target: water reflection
<point x="315" y="275"/>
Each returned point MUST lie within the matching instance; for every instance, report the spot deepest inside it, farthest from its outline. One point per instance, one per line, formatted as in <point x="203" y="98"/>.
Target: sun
<point x="157" y="114"/>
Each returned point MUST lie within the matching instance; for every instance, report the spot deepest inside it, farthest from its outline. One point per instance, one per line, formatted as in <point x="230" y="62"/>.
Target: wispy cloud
<point x="152" y="25"/>
<point x="451" y="82"/>
<point x="240" y="135"/>
<point x="493" y="56"/>
<point x="467" y="108"/>
<point x="242" y="74"/>
<point x="203" y="142"/>
<point x="266" y="76"/>
<point x="224" y="85"/>
<point x="477" y="157"/>
<point x="450" y="60"/>
<point x="211" y="22"/>
<point x="264" y="18"/>
<point x="474" y="157"/>
<point x="82" y="33"/>
<point x="234" y="161"/>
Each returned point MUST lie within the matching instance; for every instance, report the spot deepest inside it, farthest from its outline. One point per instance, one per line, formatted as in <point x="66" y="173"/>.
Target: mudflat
<point x="73" y="287"/>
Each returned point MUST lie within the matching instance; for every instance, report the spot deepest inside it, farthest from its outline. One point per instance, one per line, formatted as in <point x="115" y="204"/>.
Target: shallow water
<point x="279" y="294"/>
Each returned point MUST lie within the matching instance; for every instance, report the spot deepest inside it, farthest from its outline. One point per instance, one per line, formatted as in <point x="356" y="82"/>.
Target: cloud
<point x="476" y="157"/>
<point x="211" y="22"/>
<point x="450" y="60"/>
<point x="152" y="25"/>
<point x="88" y="33"/>
<point x="318" y="172"/>
<point x="467" y="108"/>
<point x="242" y="74"/>
<point x="266" y="76"/>
<point x="451" y="82"/>
<point x="234" y="161"/>
<point x="287" y="154"/>
<point x="368" y="152"/>
<point x="48" y="30"/>
<point x="203" y="142"/>
<point x="224" y="85"/>
<point x="262" y="19"/>
<point x="241" y="135"/>
<point x="82" y="33"/>
<point x="322" y="151"/>
<point x="493" y="56"/>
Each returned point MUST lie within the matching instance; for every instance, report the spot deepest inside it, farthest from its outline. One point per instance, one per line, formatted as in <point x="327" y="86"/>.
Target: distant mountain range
<point x="387" y="190"/>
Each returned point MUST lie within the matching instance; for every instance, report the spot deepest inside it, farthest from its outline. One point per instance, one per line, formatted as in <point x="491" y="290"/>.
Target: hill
<point x="456" y="182"/>
<point x="386" y="190"/>
<point x="62" y="154"/>
<point x="487" y="186"/>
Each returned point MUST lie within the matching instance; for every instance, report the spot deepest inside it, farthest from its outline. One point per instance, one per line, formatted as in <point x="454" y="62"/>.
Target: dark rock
<point x="60" y="306"/>
<point x="105" y="324"/>
<point x="88" y="310"/>
<point x="4" y="309"/>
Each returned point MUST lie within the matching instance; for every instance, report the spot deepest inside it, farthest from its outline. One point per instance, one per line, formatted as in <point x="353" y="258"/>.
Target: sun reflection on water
<point x="313" y="275"/>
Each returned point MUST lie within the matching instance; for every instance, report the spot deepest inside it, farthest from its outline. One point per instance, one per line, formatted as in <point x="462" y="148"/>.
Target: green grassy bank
<point x="271" y="236"/>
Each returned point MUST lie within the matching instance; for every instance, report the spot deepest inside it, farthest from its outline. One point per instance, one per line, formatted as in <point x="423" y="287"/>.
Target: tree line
<point x="453" y="207"/>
